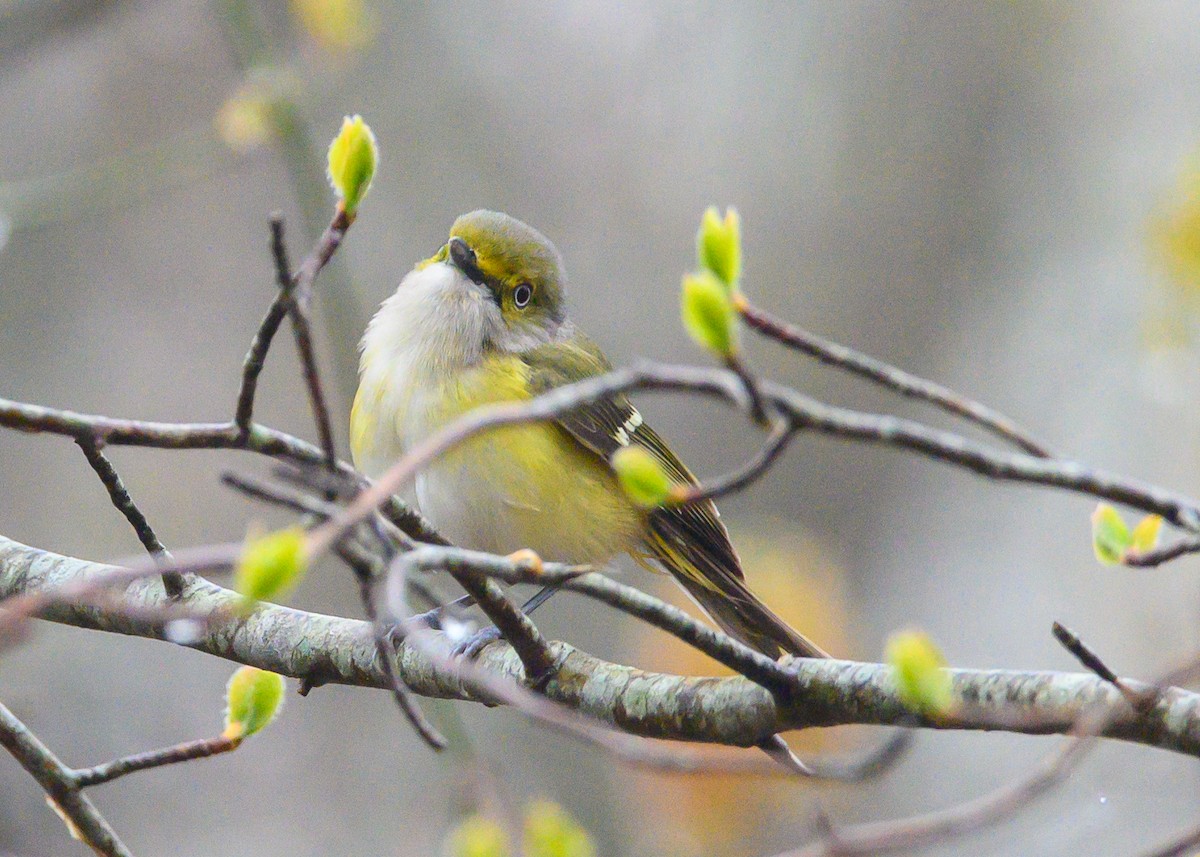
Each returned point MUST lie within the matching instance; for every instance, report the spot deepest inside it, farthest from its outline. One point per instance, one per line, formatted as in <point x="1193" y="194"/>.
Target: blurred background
<point x="1002" y="196"/>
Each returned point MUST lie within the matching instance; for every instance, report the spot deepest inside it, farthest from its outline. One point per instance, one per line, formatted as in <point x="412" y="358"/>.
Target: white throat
<point x="437" y="323"/>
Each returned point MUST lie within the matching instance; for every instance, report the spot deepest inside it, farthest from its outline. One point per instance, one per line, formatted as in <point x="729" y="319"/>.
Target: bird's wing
<point x="606" y="425"/>
<point x="690" y="541"/>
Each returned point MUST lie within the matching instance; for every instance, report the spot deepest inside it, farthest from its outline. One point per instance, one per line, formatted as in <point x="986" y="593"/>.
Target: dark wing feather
<point x="689" y="541"/>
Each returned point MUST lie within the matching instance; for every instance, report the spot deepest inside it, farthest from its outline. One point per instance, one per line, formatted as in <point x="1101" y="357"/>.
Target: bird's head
<point x="517" y="272"/>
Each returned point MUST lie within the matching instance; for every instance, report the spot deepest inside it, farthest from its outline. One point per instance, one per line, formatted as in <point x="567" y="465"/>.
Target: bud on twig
<point x="253" y="698"/>
<point x="352" y="158"/>
<point x="708" y="313"/>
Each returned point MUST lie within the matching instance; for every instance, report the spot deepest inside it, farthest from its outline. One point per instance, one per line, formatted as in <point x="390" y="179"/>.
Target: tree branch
<point x="886" y="375"/>
<point x="732" y="711"/>
<point x="119" y="494"/>
<point x="62" y="792"/>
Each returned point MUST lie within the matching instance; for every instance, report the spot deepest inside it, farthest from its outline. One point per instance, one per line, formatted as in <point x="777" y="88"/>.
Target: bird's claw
<point x="471" y="646"/>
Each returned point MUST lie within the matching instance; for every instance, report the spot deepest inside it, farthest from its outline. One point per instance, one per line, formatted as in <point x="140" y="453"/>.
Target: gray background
<point x="963" y="189"/>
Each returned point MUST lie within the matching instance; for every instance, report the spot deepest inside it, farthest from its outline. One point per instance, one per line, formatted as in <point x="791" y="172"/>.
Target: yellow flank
<point x="526" y="486"/>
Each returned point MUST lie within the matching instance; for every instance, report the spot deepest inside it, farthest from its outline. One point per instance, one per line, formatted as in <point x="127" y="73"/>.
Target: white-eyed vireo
<point x="484" y="320"/>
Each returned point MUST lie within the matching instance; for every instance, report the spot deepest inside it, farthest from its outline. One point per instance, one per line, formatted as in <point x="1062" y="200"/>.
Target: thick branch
<point x="721" y="710"/>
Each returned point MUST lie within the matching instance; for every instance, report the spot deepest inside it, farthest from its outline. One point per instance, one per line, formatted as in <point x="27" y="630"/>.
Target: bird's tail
<point x="741" y="615"/>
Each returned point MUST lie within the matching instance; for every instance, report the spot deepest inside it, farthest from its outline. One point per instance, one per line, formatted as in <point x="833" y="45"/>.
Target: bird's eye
<point x="521" y="295"/>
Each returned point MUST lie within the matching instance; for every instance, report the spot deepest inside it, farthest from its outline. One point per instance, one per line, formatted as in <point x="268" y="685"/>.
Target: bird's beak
<point x="463" y="258"/>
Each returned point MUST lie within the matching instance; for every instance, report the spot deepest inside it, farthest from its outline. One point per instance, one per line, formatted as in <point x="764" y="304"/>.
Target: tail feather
<point x="741" y="615"/>
<point x="705" y="564"/>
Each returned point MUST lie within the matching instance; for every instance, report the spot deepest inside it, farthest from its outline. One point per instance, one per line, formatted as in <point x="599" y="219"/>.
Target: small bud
<point x="253" y="698"/>
<point x="920" y="672"/>
<point x="1110" y="535"/>
<point x="352" y="158"/>
<point x="271" y="565"/>
<point x="477" y="836"/>
<point x="708" y="313"/>
<point x="641" y="476"/>
<point x="550" y="832"/>
<point x="1144" y="537"/>
<point x="338" y="26"/>
<point x="719" y="245"/>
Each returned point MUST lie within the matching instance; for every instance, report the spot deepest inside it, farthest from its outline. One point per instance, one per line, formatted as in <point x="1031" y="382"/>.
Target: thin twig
<point x="757" y="408"/>
<point x="185" y="752"/>
<point x="722" y="648"/>
<point x="83" y="819"/>
<point x="517" y="628"/>
<point x="969" y="816"/>
<point x="299" y="311"/>
<point x="1083" y="653"/>
<point x="1181" y="846"/>
<point x="1166" y="553"/>
<point x="777" y="441"/>
<point x="158" y="435"/>
<point x="119" y="494"/>
<point x="804" y="413"/>
<point x="363" y="567"/>
<point x="905" y="383"/>
<point x="256" y="357"/>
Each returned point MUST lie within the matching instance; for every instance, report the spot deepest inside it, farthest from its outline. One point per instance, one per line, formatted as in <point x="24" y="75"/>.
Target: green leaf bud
<point x="352" y="158"/>
<point x="252" y="700"/>
<point x="919" y="670"/>
<point x="1144" y="537"/>
<point x="551" y="832"/>
<point x="477" y="836"/>
<point x="271" y="565"/>
<point x="708" y="313"/>
<point x="719" y="245"/>
<point x="641" y="476"/>
<point x="1110" y="535"/>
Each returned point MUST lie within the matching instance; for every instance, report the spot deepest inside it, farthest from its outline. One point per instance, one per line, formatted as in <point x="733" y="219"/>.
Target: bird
<point x="484" y="320"/>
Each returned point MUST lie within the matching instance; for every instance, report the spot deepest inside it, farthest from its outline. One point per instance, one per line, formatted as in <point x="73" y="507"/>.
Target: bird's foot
<point x="471" y="646"/>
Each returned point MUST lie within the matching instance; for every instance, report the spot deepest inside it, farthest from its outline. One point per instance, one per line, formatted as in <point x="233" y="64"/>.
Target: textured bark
<point x="723" y="710"/>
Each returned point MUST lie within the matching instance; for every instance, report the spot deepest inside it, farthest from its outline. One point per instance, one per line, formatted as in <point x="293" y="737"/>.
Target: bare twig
<point x="157" y="435"/>
<point x="781" y="434"/>
<point x="1181" y="846"/>
<point x="720" y="647"/>
<point x="256" y="357"/>
<point x="1083" y="653"/>
<point x="905" y="383"/>
<point x="1166" y="553"/>
<point x="119" y="494"/>
<point x="903" y="834"/>
<point x="363" y="566"/>
<point x="803" y="412"/>
<point x="83" y="819"/>
<point x="299" y="310"/>
<point x="185" y="752"/>
<point x="756" y="407"/>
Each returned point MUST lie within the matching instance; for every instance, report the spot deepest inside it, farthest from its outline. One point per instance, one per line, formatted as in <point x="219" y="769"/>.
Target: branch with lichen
<point x="323" y="649"/>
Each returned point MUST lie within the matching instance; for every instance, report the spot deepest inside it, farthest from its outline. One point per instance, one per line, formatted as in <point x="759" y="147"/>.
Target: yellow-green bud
<point x="1110" y="535"/>
<point x="352" y="158"/>
<point x="719" y="245"/>
<point x="920" y="672"/>
<point x="477" y="836"/>
<point x="708" y="313"/>
<point x="1144" y="537"/>
<point x="271" y="565"/>
<point x="642" y="477"/>
<point x="252" y="700"/>
<point x="550" y="832"/>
